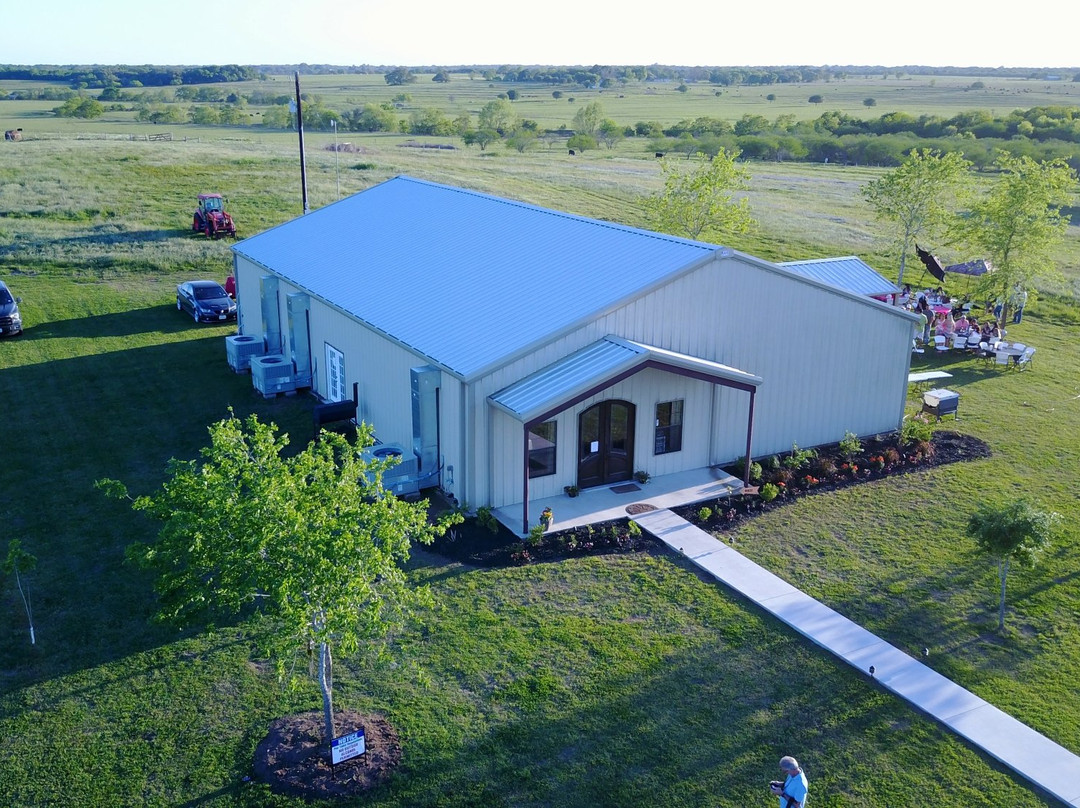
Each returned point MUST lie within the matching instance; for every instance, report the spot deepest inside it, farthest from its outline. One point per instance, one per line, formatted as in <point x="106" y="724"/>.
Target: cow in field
<point x="13" y="134"/>
<point x="572" y="152"/>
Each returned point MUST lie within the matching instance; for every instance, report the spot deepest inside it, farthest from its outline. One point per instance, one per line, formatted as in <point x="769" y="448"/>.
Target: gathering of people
<point x="951" y="324"/>
<point x="951" y="318"/>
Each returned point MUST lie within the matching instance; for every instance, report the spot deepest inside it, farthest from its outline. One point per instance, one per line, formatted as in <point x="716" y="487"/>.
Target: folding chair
<point x="1024" y="361"/>
<point x="939" y="344"/>
<point x="1002" y="358"/>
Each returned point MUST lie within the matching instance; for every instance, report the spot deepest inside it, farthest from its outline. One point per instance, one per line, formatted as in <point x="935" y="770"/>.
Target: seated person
<point x="962" y="325"/>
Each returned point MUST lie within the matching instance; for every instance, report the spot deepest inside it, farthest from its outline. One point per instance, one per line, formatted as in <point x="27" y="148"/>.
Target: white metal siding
<point x="645" y="390"/>
<point x="830" y="364"/>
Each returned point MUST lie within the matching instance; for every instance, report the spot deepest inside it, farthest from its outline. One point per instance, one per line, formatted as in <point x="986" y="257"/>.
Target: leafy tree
<point x="310" y="545"/>
<point x="207" y="116"/>
<point x="80" y="107"/>
<point x="610" y="132"/>
<point x="581" y="143"/>
<point x="442" y="76"/>
<point x="556" y="94"/>
<point x="701" y="200"/>
<point x="498" y="115"/>
<point x="399" y="76"/>
<point x="430" y="121"/>
<point x="1014" y="532"/>
<point x="869" y="102"/>
<point x="1018" y="222"/>
<point x="817" y="99"/>
<point x="371" y="118"/>
<point x="915" y="197"/>
<point x="278" y="117"/>
<point x="512" y="95"/>
<point x="481" y="137"/>
<point x="522" y="140"/>
<point x="587" y="119"/>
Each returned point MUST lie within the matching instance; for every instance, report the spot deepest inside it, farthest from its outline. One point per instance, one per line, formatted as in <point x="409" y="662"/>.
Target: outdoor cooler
<point x="941" y="402"/>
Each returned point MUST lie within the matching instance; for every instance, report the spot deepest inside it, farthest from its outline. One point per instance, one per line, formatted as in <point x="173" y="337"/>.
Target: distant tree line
<point x="1041" y="133"/>
<point x="98" y="76"/>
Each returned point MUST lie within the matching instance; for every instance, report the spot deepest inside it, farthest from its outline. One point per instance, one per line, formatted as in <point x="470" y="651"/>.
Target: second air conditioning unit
<point x="272" y="375"/>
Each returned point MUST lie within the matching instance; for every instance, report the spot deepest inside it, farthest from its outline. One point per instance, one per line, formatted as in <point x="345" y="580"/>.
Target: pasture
<point x="604" y="681"/>
<point x="626" y="104"/>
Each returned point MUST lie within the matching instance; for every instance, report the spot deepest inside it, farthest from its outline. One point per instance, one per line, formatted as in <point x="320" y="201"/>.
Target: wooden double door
<point x="606" y="443"/>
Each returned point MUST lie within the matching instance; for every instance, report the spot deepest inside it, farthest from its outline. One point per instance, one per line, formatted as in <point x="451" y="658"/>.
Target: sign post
<point x="347" y="747"/>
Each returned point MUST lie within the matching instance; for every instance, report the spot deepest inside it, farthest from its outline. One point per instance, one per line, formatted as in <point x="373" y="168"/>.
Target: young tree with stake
<point x="311" y="546"/>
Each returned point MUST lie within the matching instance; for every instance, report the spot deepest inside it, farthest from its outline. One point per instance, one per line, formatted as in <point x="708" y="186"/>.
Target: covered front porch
<point x="607" y="502"/>
<point x="590" y="370"/>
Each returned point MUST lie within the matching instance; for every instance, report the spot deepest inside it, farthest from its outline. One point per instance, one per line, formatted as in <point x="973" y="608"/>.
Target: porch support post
<point x="749" y="436"/>
<point x="525" y="480"/>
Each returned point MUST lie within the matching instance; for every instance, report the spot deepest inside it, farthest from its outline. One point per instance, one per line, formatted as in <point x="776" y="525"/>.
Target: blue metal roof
<point x="849" y="273"/>
<point x="466" y="279"/>
<point x="562" y="381"/>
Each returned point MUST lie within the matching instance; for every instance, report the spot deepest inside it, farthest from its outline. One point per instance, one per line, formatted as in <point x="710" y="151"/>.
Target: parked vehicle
<point x="10" y="319"/>
<point x="210" y="217"/>
<point x="206" y="301"/>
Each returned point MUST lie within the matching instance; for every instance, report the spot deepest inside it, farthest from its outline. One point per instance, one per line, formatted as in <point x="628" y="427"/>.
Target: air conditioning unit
<point x="402" y="478"/>
<point x="272" y="375"/>
<point x="241" y="349"/>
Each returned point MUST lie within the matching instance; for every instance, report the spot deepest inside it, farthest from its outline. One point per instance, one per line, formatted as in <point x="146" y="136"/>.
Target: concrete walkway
<point x="1048" y="765"/>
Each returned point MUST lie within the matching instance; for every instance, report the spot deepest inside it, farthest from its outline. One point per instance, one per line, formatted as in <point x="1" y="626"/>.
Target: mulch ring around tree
<point x="294" y="757"/>
<point x="473" y="543"/>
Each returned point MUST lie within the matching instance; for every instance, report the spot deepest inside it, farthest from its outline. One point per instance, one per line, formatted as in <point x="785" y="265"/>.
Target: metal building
<point x="515" y="350"/>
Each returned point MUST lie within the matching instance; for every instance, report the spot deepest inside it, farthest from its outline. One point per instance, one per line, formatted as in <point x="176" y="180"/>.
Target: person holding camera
<point x="792" y="791"/>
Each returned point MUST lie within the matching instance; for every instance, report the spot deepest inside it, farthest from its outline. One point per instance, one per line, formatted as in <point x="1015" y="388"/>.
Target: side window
<point x="668" y="427"/>
<point x="542" y="442"/>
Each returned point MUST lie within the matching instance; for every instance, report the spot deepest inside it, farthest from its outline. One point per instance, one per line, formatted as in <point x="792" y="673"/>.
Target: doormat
<point x="624" y="489"/>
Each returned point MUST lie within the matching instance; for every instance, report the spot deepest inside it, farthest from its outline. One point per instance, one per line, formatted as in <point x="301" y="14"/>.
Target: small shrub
<point x="924" y="449"/>
<point x="704" y="514"/>
<point x="769" y="492"/>
<point x="915" y="429"/>
<point x="755" y="469"/>
<point x="364" y="167"/>
<point x="487" y="519"/>
<point x="823" y="467"/>
<point x="891" y="456"/>
<point x="850" y="445"/>
<point x="798" y="457"/>
<point x="772" y="463"/>
<point x="781" y="475"/>
<point x="634" y="529"/>
<point x="641" y="476"/>
<point x="536" y="534"/>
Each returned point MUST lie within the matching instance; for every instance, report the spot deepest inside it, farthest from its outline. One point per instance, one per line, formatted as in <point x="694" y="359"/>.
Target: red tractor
<point x="211" y="218"/>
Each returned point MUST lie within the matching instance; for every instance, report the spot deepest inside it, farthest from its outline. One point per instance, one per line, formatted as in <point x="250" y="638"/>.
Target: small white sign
<point x="594" y="446"/>
<point x="347" y="747"/>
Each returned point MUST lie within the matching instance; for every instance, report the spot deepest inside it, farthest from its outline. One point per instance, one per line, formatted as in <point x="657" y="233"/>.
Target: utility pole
<point x="300" y="131"/>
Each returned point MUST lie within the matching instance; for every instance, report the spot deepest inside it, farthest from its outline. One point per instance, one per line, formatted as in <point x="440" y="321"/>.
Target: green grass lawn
<point x="602" y="681"/>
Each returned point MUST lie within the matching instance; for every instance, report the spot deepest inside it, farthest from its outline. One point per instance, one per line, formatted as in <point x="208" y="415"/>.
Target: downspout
<point x="525" y="481"/>
<point x="749" y="436"/>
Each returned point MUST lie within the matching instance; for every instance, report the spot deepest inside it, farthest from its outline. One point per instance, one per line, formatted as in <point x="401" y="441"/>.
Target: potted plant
<point x="571" y="490"/>
<point x="641" y="476"/>
<point x="547" y="518"/>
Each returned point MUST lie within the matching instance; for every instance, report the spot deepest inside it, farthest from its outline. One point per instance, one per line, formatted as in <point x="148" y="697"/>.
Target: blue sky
<point x="415" y="32"/>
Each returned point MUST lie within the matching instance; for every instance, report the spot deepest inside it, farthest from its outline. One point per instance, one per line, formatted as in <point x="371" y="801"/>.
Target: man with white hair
<point x="792" y="792"/>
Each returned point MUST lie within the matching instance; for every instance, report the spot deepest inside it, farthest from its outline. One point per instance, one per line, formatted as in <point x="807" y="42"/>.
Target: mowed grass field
<point x="605" y="681"/>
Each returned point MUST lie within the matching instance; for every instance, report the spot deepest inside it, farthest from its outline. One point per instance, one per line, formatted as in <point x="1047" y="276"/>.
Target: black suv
<point x="10" y="319"/>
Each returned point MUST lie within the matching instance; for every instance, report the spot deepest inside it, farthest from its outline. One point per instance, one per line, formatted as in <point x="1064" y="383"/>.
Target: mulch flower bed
<point x="829" y="469"/>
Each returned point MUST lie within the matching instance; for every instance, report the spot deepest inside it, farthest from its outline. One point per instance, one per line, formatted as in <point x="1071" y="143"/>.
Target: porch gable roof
<point x="583" y="373"/>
